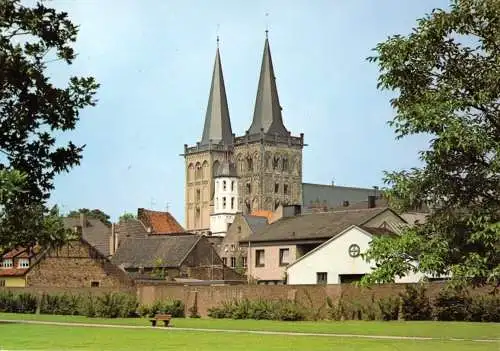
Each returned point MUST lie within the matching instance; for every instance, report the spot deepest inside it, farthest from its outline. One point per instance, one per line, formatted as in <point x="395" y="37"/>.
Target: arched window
<point x="285" y="164"/>
<point x="232" y="203"/>
<point x="223" y="185"/>
<point x="249" y="188"/>
<point x="249" y="164"/>
<point x="276" y="163"/>
<point x="232" y="185"/>
<point x="224" y="202"/>
<point x="198" y="171"/>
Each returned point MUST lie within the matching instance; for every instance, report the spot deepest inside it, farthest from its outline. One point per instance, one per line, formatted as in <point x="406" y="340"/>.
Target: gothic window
<point x="285" y="164"/>
<point x="232" y="185"/>
<point x="198" y="195"/>
<point x="276" y="188"/>
<point x="267" y="161"/>
<point x="249" y="188"/>
<point x="249" y="164"/>
<point x="248" y="206"/>
<point x="285" y="189"/>
<point x="223" y="185"/>
<point x="215" y="168"/>
<point x="198" y="171"/>
<point x="190" y="172"/>
<point x="205" y="170"/>
<point x="276" y="163"/>
<point x="232" y="203"/>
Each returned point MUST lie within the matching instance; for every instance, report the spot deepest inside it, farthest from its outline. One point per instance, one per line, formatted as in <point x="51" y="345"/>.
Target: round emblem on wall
<point x="354" y="250"/>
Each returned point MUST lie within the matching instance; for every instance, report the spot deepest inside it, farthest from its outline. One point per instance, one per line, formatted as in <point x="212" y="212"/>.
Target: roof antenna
<point x="218" y="27"/>
<point x="267" y="25"/>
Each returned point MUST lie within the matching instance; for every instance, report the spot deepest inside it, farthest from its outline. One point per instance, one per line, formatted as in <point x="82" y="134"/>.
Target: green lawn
<point x="444" y="330"/>
<point x="47" y="337"/>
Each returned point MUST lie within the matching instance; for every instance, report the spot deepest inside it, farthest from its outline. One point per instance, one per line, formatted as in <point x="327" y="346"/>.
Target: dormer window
<point x="7" y="263"/>
<point x="24" y="263"/>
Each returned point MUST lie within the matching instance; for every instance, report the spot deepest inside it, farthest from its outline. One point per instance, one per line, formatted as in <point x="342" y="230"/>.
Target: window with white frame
<point x="244" y="261"/>
<point x="24" y="263"/>
<point x="7" y="263"/>
<point x="224" y="202"/>
<point x="233" y="262"/>
<point x="224" y="185"/>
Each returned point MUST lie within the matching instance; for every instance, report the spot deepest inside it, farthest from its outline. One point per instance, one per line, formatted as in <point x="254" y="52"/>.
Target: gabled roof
<point x="146" y="252"/>
<point x="370" y="231"/>
<point x="255" y="222"/>
<point x="95" y="232"/>
<point x="217" y="128"/>
<point x="160" y="222"/>
<point x="131" y="228"/>
<point x="315" y="226"/>
<point x="267" y="112"/>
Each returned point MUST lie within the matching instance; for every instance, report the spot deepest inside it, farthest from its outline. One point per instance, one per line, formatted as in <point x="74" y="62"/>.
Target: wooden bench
<point x="161" y="317"/>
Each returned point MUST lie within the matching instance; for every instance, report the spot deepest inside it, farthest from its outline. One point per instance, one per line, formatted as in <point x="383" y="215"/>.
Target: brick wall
<point x="75" y="265"/>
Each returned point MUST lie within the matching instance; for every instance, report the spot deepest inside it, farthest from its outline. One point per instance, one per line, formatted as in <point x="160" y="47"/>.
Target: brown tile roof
<point x="379" y="231"/>
<point x="95" y="232"/>
<point x="12" y="272"/>
<point x="160" y="222"/>
<point x="130" y="228"/>
<point x="172" y="250"/>
<point x="314" y="226"/>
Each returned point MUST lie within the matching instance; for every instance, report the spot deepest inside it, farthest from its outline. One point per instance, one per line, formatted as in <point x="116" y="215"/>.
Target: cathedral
<point x="228" y="173"/>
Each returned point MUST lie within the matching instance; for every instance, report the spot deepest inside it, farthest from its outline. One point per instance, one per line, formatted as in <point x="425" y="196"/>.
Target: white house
<point x="339" y="260"/>
<point x="225" y="199"/>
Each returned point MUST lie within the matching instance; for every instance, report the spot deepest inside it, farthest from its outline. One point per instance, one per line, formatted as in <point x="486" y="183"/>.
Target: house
<point x="339" y="259"/>
<point x="77" y="264"/>
<point x="14" y="265"/>
<point x="232" y="254"/>
<point x="167" y="257"/>
<point x="279" y="244"/>
<point x="158" y="222"/>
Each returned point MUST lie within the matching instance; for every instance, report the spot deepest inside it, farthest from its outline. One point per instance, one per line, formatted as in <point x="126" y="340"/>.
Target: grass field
<point x="15" y="336"/>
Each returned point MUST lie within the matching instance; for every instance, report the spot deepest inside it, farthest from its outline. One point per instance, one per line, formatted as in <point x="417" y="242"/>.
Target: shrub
<point x="451" y="305"/>
<point x="7" y="301"/>
<point x="115" y="305"/>
<point x="389" y="308"/>
<point x="60" y="304"/>
<point x="484" y="309"/>
<point x="173" y="307"/>
<point x="283" y="310"/>
<point x="415" y="305"/>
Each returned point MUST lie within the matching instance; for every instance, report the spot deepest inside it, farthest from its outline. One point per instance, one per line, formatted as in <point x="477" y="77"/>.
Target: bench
<point x="161" y="317"/>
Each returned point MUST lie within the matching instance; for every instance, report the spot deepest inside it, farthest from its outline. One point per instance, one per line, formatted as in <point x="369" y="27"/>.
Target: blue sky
<point x="154" y="61"/>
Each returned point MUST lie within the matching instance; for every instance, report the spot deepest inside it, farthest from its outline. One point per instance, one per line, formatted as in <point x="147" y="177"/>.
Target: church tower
<point x="202" y="161"/>
<point x="268" y="157"/>
<point x="226" y="204"/>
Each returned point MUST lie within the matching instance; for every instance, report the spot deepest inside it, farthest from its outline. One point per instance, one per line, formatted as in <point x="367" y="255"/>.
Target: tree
<point x="447" y="76"/>
<point x="33" y="110"/>
<point x="127" y="216"/>
<point x="95" y="214"/>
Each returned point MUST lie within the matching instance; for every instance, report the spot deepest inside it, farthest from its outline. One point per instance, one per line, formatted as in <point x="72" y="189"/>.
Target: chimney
<point x="371" y="201"/>
<point x="83" y="220"/>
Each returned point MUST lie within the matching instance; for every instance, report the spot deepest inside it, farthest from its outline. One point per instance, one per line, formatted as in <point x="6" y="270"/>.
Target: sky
<point x="154" y="61"/>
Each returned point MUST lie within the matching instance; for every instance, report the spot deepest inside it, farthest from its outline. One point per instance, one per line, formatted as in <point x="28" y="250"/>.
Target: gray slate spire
<point x="267" y="113"/>
<point x="217" y="122"/>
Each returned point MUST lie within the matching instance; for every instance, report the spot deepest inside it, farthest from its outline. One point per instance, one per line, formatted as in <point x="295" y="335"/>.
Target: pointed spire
<point x="267" y="113"/>
<point x="217" y="122"/>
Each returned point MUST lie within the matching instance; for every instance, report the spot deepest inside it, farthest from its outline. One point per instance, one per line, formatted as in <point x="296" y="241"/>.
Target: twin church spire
<point x="267" y="115"/>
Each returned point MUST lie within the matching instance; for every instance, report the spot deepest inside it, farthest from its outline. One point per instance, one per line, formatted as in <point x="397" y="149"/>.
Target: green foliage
<point x="109" y="305"/>
<point x="415" y="305"/>
<point x="446" y="76"/>
<point x="127" y="216"/>
<point x="283" y="310"/>
<point x="389" y="308"/>
<point x="485" y="308"/>
<point x="158" y="271"/>
<point x="34" y="111"/>
<point x="173" y="307"/>
<point x="94" y="214"/>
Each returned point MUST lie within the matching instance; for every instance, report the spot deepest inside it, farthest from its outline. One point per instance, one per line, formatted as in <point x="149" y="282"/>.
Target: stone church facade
<point x="268" y="158"/>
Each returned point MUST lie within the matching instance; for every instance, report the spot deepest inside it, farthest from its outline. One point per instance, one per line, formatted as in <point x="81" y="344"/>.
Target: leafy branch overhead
<point x="33" y="110"/>
<point x="446" y="74"/>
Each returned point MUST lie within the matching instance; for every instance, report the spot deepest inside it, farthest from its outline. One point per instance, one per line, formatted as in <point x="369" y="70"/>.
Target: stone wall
<point x="75" y="265"/>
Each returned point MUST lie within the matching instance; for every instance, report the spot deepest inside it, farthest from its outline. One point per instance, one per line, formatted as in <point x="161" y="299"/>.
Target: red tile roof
<point x="12" y="272"/>
<point x="160" y="222"/>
